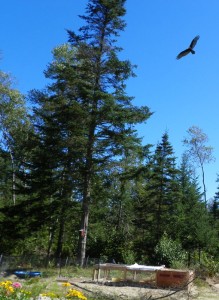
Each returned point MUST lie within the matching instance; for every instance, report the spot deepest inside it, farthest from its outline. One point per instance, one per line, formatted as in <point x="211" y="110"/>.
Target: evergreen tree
<point x="215" y="205"/>
<point x="157" y="204"/>
<point x="55" y="160"/>
<point x="89" y="93"/>
<point x="110" y="112"/>
<point x="187" y="208"/>
<point x="192" y="226"/>
<point x="116" y="214"/>
<point x="5" y="179"/>
<point x="163" y="188"/>
<point x="214" y="211"/>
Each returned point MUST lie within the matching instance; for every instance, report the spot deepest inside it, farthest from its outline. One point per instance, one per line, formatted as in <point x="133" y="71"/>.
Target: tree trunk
<point x="83" y="235"/>
<point x="62" y="220"/>
<point x="84" y="222"/>
<point x="86" y="198"/>
<point x="60" y="239"/>
<point x="204" y="187"/>
<point x="189" y="259"/>
<point x="13" y="178"/>
<point x="51" y="239"/>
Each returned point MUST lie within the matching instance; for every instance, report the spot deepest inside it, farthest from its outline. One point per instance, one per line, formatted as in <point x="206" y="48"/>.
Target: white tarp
<point x="143" y="267"/>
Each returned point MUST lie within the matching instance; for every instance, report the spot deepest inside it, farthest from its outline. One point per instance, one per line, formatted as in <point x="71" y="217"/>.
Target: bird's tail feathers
<point x="192" y="51"/>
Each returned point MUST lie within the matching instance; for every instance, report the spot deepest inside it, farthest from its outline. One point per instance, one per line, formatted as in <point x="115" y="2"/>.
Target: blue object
<point x="26" y="274"/>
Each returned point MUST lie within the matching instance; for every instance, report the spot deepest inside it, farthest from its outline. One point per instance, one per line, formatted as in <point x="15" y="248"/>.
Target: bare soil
<point x="113" y="290"/>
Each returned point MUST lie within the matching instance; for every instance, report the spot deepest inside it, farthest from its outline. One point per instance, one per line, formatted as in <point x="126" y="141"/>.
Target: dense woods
<point x="75" y="178"/>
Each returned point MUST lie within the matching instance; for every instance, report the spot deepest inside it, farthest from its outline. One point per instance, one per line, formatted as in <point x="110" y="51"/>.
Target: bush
<point x="207" y="267"/>
<point x="170" y="252"/>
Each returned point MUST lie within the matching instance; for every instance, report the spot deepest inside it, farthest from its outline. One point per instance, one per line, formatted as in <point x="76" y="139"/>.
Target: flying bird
<point x="190" y="49"/>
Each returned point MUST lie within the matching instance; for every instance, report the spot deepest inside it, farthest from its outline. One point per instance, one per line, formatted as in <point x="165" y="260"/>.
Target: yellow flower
<point x="49" y="294"/>
<point x="75" y="293"/>
<point x="7" y="287"/>
<point x="66" y="284"/>
<point x="25" y="292"/>
<point x="6" y="283"/>
<point x="10" y="289"/>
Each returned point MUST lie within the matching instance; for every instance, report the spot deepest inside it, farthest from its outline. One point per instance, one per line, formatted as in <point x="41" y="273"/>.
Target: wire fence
<point x="29" y="262"/>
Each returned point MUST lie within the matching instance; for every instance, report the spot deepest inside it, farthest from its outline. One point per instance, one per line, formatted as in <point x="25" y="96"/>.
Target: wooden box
<point x="174" y="278"/>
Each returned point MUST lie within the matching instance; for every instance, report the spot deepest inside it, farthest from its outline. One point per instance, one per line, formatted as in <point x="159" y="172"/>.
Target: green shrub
<point x="170" y="252"/>
<point x="208" y="266"/>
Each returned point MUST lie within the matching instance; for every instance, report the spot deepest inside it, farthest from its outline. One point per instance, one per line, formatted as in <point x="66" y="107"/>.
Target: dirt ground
<point x="208" y="291"/>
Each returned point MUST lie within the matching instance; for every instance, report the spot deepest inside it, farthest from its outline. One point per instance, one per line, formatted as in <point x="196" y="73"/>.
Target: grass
<point x="68" y="272"/>
<point x="33" y="287"/>
<point x="48" y="282"/>
<point x="200" y="283"/>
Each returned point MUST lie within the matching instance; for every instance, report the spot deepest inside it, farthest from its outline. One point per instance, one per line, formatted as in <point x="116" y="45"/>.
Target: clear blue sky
<point x="181" y="93"/>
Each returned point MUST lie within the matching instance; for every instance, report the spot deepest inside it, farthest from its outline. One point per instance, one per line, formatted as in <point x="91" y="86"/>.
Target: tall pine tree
<point x="156" y="206"/>
<point x="89" y="91"/>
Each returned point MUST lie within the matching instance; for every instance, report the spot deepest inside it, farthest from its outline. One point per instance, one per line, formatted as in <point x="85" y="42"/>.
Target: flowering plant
<point x="73" y="294"/>
<point x="13" y="291"/>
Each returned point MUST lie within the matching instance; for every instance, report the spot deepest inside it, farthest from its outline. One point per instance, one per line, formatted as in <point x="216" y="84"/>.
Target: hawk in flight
<point x="190" y="49"/>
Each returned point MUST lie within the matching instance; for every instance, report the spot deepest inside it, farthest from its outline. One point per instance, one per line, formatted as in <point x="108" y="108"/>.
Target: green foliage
<point x="170" y="252"/>
<point x="129" y="256"/>
<point x="14" y="130"/>
<point x="198" y="151"/>
<point x="88" y="109"/>
<point x="207" y="266"/>
<point x="77" y="162"/>
<point x="156" y="205"/>
<point x="38" y="290"/>
<point x="211" y="265"/>
<point x="13" y="291"/>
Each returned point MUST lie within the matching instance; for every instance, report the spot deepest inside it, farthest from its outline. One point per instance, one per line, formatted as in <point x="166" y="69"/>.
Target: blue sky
<point x="181" y="93"/>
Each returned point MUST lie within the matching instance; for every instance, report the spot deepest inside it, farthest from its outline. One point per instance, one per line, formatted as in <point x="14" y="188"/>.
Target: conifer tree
<point x="161" y="192"/>
<point x="187" y="207"/>
<point x="192" y="225"/>
<point x="110" y="112"/>
<point x="89" y="85"/>
<point x="214" y="209"/>
<point x="215" y="204"/>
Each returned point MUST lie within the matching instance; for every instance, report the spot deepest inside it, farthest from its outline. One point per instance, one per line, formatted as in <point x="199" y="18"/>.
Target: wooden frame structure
<point x="106" y="269"/>
<point x="134" y="269"/>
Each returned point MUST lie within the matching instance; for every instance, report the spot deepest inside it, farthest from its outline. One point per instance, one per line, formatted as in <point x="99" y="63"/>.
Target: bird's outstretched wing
<point x="190" y="49"/>
<point x="194" y="42"/>
<point x="183" y="53"/>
